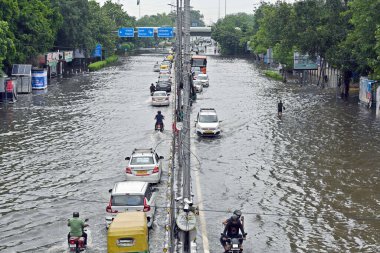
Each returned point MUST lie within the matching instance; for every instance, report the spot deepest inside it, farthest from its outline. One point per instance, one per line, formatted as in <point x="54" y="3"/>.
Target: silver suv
<point x="207" y="123"/>
<point x="144" y="165"/>
<point x="131" y="196"/>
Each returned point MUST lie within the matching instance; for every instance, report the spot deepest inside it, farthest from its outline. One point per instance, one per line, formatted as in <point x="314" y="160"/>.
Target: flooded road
<point x="61" y="151"/>
<point x="306" y="183"/>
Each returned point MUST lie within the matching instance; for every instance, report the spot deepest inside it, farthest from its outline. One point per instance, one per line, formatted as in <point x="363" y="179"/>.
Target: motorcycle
<point x="234" y="244"/>
<point x="76" y="244"/>
<point x="159" y="127"/>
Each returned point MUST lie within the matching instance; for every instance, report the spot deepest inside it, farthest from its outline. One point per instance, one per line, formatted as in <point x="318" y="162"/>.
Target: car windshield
<point x="159" y="94"/>
<point x="200" y="77"/>
<point x="127" y="200"/>
<point x="208" y="118"/>
<point x="142" y="160"/>
<point x="164" y="77"/>
<point x="198" y="69"/>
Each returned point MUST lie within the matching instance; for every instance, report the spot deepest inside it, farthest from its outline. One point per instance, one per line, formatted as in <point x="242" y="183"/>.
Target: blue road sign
<point x="165" y="32"/>
<point x="145" y="32"/>
<point x="97" y="51"/>
<point x="126" y="32"/>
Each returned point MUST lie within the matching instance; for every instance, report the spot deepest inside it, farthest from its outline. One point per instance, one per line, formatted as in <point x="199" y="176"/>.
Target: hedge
<point x="101" y="64"/>
<point x="273" y="74"/>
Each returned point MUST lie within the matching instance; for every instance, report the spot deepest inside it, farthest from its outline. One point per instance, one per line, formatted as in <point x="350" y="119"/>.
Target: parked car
<point x="131" y="196"/>
<point x="160" y="98"/>
<point x="207" y="123"/>
<point x="164" y="86"/>
<point x="144" y="165"/>
<point x="198" y="86"/>
<point x="204" y="79"/>
<point x="165" y="78"/>
<point x="165" y="71"/>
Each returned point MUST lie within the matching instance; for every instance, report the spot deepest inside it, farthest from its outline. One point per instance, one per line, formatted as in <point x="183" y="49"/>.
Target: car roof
<point x="132" y="187"/>
<point x="208" y="111"/>
<point x="202" y="75"/>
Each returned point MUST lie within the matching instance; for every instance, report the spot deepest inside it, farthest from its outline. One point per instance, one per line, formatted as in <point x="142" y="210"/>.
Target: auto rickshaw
<point x="128" y="232"/>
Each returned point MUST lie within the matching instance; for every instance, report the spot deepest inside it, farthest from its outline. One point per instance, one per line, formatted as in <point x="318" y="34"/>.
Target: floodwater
<point x="306" y="183"/>
<point x="61" y="151"/>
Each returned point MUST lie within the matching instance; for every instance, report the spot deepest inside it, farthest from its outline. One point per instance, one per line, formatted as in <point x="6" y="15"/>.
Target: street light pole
<point x="187" y="198"/>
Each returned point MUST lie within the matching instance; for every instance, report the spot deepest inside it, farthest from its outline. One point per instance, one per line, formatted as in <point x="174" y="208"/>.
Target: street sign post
<point x="165" y="32"/>
<point x="126" y="32"/>
<point x="145" y="32"/>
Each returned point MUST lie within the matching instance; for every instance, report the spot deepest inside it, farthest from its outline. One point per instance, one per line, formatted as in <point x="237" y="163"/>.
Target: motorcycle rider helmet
<point x="159" y="112"/>
<point x="238" y="213"/>
<point x="234" y="217"/>
<point x="75" y="214"/>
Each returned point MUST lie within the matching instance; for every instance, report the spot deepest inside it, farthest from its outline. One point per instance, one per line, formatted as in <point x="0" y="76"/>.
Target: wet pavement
<point x="306" y="183"/>
<point x="61" y="151"/>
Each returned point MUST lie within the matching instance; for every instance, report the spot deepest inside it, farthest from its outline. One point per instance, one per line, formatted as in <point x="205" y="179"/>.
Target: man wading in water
<point x="280" y="106"/>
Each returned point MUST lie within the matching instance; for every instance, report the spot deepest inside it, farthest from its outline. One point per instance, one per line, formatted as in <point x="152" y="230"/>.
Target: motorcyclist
<point x="159" y="119"/>
<point x="238" y="213"/>
<point x="231" y="230"/>
<point x="76" y="227"/>
<point x="152" y="88"/>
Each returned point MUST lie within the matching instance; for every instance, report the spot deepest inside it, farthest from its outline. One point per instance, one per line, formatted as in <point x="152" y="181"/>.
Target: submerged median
<point x="101" y="64"/>
<point x="273" y="74"/>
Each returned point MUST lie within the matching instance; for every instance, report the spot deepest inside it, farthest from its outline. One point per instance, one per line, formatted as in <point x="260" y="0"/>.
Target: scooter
<point x="76" y="244"/>
<point x="159" y="127"/>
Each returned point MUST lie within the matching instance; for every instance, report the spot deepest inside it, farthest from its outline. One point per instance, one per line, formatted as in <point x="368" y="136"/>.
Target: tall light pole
<point x="225" y="8"/>
<point x="218" y="9"/>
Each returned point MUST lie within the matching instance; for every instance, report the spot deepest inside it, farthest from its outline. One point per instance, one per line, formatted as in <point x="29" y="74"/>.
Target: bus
<point x="199" y="61"/>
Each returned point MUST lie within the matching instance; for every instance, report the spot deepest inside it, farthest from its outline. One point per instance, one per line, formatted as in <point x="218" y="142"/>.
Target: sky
<point x="209" y="8"/>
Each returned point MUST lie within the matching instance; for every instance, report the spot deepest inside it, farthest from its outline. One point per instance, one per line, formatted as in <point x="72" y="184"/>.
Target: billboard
<point x="304" y="62"/>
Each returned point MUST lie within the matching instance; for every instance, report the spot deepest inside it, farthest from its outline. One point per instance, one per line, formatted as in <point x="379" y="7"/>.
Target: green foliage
<point x="196" y="18"/>
<point x="273" y="74"/>
<point x="7" y="48"/>
<point x="232" y="33"/>
<point x="101" y="64"/>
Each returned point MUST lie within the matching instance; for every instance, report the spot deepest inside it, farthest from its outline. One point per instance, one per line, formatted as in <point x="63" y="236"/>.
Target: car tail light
<point x="156" y="169"/>
<point x="128" y="170"/>
<point x="146" y="206"/>
<point x="109" y="208"/>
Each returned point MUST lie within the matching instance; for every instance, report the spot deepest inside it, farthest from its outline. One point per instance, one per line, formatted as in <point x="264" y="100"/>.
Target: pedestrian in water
<point x="280" y="106"/>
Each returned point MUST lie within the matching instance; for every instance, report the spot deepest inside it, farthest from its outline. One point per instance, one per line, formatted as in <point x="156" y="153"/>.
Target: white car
<point x="160" y="98"/>
<point x="156" y="67"/>
<point x="204" y="79"/>
<point x="144" y="165"/>
<point x="131" y="197"/>
<point x="198" y="86"/>
<point x="207" y="123"/>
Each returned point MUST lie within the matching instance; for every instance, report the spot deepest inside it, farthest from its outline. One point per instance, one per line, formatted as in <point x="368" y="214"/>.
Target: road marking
<point x="202" y="219"/>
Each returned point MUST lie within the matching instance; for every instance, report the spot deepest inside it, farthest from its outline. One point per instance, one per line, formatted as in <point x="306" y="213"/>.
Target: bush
<point x="101" y="64"/>
<point x="273" y="74"/>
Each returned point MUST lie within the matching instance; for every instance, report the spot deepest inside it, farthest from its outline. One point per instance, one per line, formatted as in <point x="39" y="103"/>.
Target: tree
<point x="35" y="28"/>
<point x="7" y="48"/>
<point x="196" y="18"/>
<point x="232" y="32"/>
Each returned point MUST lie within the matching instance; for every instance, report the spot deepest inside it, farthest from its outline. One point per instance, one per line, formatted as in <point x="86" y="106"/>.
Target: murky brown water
<point x="306" y="183"/>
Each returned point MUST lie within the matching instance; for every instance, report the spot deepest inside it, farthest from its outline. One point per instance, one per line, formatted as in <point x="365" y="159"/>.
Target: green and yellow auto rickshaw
<point x="128" y="232"/>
